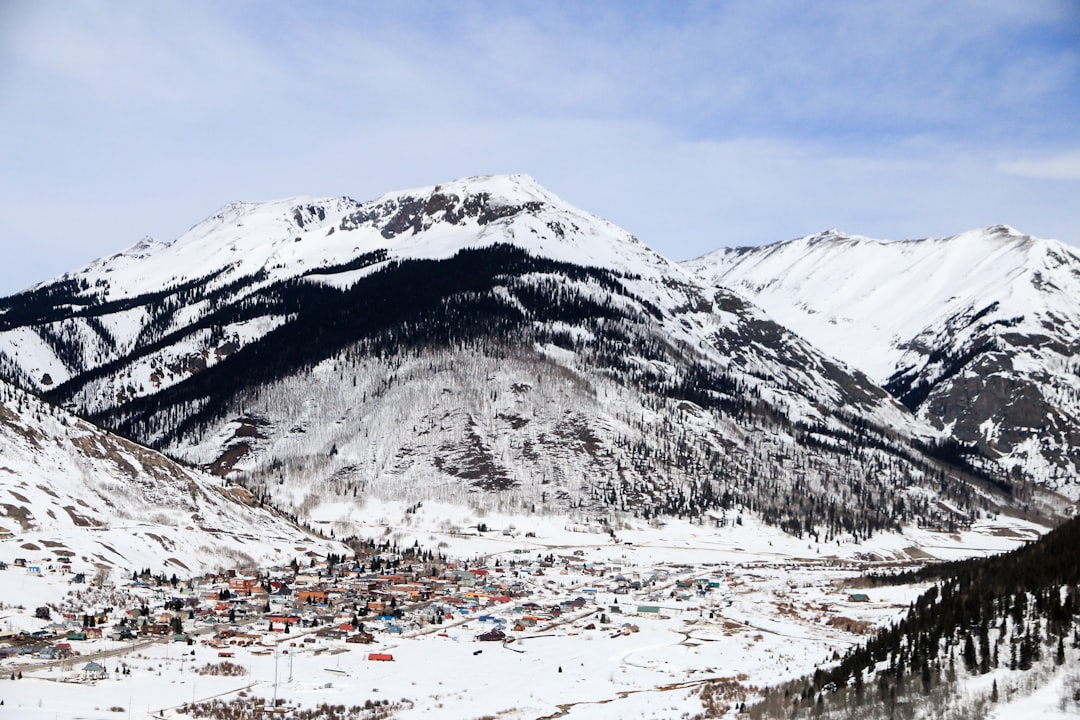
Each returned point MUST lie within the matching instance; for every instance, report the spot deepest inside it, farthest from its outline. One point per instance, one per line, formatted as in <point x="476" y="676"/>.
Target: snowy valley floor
<point x="744" y="605"/>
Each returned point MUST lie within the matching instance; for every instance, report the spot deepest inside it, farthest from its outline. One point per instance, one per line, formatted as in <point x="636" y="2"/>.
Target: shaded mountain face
<point x="69" y="488"/>
<point x="480" y="341"/>
<point x="978" y="334"/>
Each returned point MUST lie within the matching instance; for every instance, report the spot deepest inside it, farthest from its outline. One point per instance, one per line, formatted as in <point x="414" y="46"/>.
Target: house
<point x="283" y="619"/>
<point x="243" y="584"/>
<point x="648" y="611"/>
<point x="380" y="657"/>
<point x="858" y="597"/>
<point x="94" y="671"/>
<point x="311" y="596"/>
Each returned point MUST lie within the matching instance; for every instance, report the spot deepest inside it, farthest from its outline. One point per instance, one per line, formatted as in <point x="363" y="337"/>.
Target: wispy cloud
<point x="693" y="124"/>
<point x="1064" y="166"/>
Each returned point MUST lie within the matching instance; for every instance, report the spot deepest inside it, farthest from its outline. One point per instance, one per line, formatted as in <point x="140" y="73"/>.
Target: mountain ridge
<point x="977" y="333"/>
<point x="602" y="376"/>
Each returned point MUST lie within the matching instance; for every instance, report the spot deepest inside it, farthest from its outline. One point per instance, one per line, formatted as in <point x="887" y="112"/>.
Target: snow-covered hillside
<point x="980" y="332"/>
<point x="68" y="488"/>
<point x="480" y="341"/>
<point x="131" y="301"/>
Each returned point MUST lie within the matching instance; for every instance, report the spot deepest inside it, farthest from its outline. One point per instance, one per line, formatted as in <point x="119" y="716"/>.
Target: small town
<point x="334" y="614"/>
<point x="376" y="593"/>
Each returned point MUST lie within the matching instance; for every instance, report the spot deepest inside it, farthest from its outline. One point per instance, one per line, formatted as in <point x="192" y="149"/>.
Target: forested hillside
<point x="990" y="631"/>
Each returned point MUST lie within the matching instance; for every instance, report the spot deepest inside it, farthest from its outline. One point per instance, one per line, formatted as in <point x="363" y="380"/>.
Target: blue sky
<point x="694" y="125"/>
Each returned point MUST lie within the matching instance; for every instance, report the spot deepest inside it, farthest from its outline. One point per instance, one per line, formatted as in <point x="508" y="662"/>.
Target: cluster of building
<point x="354" y="600"/>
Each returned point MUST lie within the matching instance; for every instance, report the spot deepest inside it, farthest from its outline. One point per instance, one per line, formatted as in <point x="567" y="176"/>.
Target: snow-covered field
<point x="744" y="604"/>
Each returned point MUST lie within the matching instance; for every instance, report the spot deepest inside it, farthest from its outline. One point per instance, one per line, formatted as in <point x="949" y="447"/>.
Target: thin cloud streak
<point x="693" y="126"/>
<point x="1065" y="166"/>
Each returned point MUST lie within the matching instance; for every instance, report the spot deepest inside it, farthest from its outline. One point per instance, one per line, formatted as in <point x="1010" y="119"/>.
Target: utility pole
<point x="275" y="676"/>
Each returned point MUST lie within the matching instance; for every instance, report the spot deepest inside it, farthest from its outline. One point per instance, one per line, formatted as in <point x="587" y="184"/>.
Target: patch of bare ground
<point x="238" y="494"/>
<point x="472" y="460"/>
<point x="7" y="417"/>
<point x="79" y="519"/>
<point x="731" y="626"/>
<point x="228" y="459"/>
<point x="1008" y="533"/>
<point x="717" y="696"/>
<point x="60" y="547"/>
<point x="108" y="547"/>
<point x="94" y="446"/>
<point x="20" y="514"/>
<point x="163" y="542"/>
<point x="859" y="627"/>
<point x="917" y="553"/>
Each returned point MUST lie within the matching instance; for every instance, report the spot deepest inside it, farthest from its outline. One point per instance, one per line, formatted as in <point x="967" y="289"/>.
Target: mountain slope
<point x="978" y="333"/>
<point x="992" y="630"/>
<point x="480" y="341"/>
<point x="66" y="487"/>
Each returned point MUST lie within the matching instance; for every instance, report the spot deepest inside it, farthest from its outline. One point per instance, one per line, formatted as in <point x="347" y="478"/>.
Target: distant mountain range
<point x="483" y="341"/>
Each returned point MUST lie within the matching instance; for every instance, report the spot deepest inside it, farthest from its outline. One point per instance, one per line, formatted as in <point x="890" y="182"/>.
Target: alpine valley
<point x="476" y="407"/>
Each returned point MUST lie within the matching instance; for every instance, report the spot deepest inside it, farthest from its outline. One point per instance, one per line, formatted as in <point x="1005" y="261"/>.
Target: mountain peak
<point x="501" y="189"/>
<point x="300" y="236"/>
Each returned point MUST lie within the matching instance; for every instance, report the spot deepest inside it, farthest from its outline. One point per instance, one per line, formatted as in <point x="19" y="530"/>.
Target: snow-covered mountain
<point x="978" y="333"/>
<point x="68" y="488"/>
<point x="480" y="341"/>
